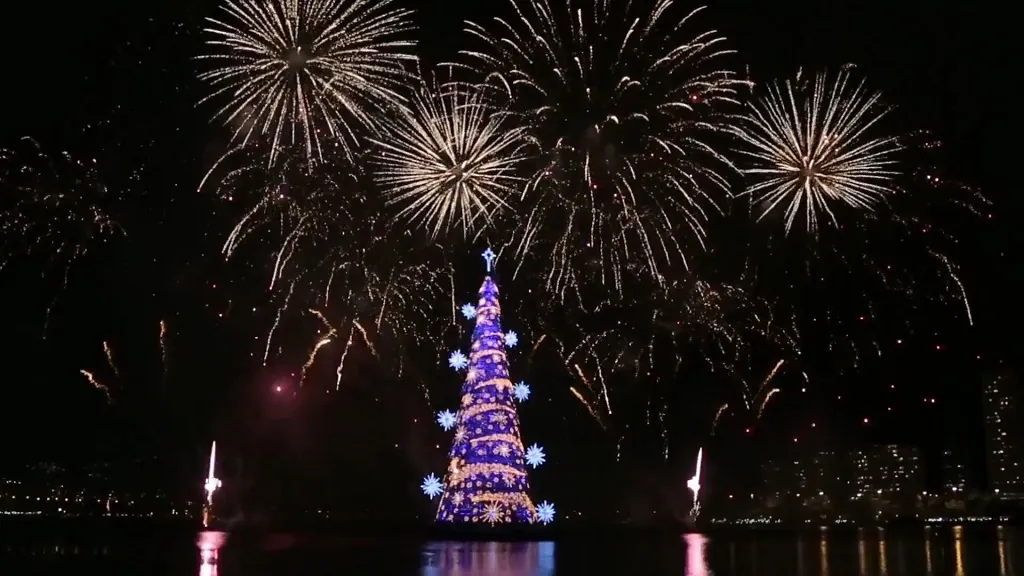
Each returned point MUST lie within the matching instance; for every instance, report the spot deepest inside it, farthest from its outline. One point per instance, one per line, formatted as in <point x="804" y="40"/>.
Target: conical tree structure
<point x="487" y="480"/>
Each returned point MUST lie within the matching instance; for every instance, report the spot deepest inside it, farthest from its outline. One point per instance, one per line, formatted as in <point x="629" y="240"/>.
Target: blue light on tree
<point x="521" y="391"/>
<point x="432" y="486"/>
<point x="535" y="456"/>
<point x="468" y="311"/>
<point x="487" y="480"/>
<point x="458" y="360"/>
<point x="545" y="512"/>
<point x="511" y="339"/>
<point x="446" y="418"/>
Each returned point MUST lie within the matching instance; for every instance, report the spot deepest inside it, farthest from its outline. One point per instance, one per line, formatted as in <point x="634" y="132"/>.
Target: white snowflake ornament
<point x="458" y="360"/>
<point x="511" y="339"/>
<point x="545" y="512"/>
<point x="446" y="418"/>
<point x="431" y="486"/>
<point x="535" y="456"/>
<point x="521" y="391"/>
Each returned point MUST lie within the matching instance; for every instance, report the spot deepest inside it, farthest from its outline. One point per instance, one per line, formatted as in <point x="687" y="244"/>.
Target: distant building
<point x="1002" y="435"/>
<point x="954" y="472"/>
<point x="826" y="475"/>
<point x="779" y="477"/>
<point x="803" y="478"/>
<point x="887" y="472"/>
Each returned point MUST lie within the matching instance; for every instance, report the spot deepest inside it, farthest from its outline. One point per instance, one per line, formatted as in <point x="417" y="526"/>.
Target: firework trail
<point x="623" y="106"/>
<point x="277" y="321"/>
<point x="448" y="160"/>
<point x="764" y="384"/>
<point x="590" y="408"/>
<point x="53" y="301"/>
<point x="97" y="385"/>
<point x="811" y="146"/>
<point x="341" y="363"/>
<point x="953" y="273"/>
<point x="55" y="208"/>
<point x="764" y="402"/>
<point x="583" y="352"/>
<point x="718" y="416"/>
<point x="306" y="72"/>
<point x="327" y="339"/>
<point x="763" y="392"/>
<point x="109" y="353"/>
<point x="164" y="360"/>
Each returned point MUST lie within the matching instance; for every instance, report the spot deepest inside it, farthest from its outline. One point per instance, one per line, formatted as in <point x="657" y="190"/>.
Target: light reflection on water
<point x="696" y="562"/>
<point x="939" y="551"/>
<point x="488" y="559"/>
<point x="209" y="544"/>
<point x="958" y="550"/>
<point x="823" y="552"/>
<point x="883" y="556"/>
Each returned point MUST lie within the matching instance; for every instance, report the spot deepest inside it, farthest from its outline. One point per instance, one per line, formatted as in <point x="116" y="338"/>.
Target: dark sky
<point x="116" y="80"/>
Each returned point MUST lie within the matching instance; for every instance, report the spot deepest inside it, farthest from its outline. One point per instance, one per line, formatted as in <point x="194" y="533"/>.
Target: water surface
<point x="981" y="551"/>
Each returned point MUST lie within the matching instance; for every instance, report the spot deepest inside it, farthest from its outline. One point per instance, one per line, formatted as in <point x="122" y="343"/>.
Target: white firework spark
<point x="448" y="160"/>
<point x="623" y="104"/>
<point x="812" y="148"/>
<point x="297" y="71"/>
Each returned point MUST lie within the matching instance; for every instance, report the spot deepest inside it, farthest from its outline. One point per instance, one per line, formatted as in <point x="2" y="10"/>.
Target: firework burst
<point x="694" y="328"/>
<point x="332" y="256"/>
<point x="299" y="71"/>
<point x="56" y="207"/>
<point x="623" y="105"/>
<point x="894" y="266"/>
<point x="383" y="301"/>
<point x="813" y="147"/>
<point x="448" y="160"/>
<point x="290" y="207"/>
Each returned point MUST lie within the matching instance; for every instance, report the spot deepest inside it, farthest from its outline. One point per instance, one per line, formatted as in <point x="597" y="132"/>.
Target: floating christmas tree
<point x="487" y="478"/>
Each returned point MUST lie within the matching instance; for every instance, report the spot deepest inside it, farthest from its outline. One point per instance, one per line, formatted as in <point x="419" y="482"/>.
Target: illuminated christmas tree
<point x="487" y="479"/>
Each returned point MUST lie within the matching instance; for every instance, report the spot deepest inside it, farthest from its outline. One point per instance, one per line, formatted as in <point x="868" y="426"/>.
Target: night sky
<point x="117" y="82"/>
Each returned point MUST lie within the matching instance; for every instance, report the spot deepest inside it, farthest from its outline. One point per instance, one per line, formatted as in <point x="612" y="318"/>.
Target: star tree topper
<point x="489" y="257"/>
